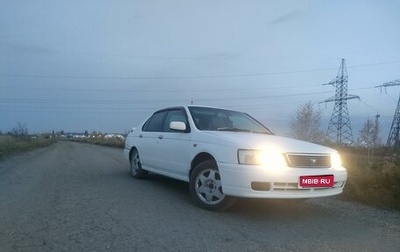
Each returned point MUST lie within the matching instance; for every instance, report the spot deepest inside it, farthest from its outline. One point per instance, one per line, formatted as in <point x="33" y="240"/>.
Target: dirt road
<point x="80" y="197"/>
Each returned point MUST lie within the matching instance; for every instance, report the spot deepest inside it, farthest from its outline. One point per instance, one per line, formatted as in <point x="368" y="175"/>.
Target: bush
<point x="375" y="183"/>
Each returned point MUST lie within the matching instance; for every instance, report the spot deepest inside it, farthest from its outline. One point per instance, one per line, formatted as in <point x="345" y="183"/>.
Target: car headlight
<point x="250" y="157"/>
<point x="269" y="158"/>
<point x="336" y="161"/>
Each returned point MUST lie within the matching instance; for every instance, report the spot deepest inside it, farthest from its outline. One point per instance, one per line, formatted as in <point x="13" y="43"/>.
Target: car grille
<point x="291" y="187"/>
<point x="299" y="160"/>
<point x="277" y="186"/>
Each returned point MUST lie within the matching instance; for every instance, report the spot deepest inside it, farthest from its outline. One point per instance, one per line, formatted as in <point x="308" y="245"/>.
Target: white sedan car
<point x="225" y="154"/>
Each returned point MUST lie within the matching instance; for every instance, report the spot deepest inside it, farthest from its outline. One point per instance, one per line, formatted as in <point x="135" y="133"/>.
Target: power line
<point x="162" y="77"/>
<point x="33" y="100"/>
<point x="374" y="64"/>
<point x="152" y="90"/>
<point x="188" y="76"/>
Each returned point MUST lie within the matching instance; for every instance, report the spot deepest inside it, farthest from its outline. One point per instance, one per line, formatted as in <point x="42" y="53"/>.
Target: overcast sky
<point x="105" y="65"/>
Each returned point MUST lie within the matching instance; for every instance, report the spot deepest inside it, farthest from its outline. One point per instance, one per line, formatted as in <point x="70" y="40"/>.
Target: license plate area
<point x="317" y="181"/>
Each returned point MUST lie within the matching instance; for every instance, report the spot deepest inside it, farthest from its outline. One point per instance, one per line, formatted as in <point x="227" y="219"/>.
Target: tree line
<point x="306" y="125"/>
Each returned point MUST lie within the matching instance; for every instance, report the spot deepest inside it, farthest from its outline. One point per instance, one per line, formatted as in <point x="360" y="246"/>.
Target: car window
<point x="225" y="120"/>
<point x="175" y="115"/>
<point x="155" y="122"/>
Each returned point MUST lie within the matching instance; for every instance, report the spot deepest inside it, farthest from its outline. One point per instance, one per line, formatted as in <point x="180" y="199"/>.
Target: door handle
<point x="160" y="137"/>
<point x="141" y="136"/>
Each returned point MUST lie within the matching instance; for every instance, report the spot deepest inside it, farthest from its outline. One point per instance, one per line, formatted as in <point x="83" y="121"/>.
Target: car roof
<point x="194" y="106"/>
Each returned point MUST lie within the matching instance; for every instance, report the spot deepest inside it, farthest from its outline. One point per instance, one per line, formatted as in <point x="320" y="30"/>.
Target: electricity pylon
<point x="394" y="133"/>
<point x="339" y="129"/>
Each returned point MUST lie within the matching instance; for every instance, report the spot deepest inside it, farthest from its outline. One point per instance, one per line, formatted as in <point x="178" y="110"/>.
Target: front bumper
<point x="251" y="181"/>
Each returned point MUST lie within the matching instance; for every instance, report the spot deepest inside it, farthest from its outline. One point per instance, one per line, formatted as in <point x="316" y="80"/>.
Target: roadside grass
<point x="372" y="179"/>
<point x="111" y="142"/>
<point x="10" y="145"/>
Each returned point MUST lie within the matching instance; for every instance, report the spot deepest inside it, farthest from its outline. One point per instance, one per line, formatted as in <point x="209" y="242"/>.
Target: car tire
<point x="136" y="166"/>
<point x="206" y="188"/>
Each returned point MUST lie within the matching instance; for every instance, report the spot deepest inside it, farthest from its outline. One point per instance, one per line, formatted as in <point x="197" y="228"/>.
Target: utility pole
<point x="339" y="129"/>
<point x="394" y="134"/>
<point x="375" y="138"/>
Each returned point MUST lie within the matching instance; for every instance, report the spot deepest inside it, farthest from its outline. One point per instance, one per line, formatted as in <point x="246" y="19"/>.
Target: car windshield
<point x="225" y="120"/>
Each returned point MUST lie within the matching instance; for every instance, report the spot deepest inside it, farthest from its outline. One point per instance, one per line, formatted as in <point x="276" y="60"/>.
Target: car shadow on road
<point x="278" y="208"/>
<point x="176" y="188"/>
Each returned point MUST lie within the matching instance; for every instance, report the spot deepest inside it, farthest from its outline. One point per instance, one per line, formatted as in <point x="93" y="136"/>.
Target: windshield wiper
<point x="263" y="132"/>
<point x="232" y="129"/>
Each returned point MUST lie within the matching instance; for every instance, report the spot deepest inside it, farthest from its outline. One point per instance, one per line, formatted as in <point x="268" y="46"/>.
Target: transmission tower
<point x="394" y="133"/>
<point x="339" y="129"/>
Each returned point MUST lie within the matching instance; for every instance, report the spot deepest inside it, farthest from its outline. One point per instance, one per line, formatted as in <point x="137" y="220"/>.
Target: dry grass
<point x="11" y="145"/>
<point x="376" y="183"/>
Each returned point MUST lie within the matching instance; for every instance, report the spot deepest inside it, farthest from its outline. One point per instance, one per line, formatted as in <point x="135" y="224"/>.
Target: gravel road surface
<point x="81" y="197"/>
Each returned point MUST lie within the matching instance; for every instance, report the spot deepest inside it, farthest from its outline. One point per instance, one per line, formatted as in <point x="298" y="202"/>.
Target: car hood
<point x="244" y="140"/>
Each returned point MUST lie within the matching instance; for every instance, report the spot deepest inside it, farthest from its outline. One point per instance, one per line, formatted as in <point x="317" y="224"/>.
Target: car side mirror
<point x="178" y="126"/>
